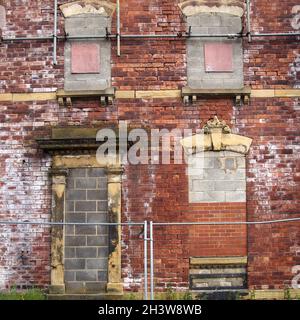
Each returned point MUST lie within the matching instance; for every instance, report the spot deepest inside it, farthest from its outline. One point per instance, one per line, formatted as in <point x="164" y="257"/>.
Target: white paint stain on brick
<point x="295" y="70"/>
<point x="295" y="21"/>
<point x="24" y="197"/>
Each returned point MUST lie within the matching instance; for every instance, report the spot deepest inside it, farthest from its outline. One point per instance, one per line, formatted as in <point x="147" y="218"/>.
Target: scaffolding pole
<point x="249" y="20"/>
<point x="118" y="29"/>
<point x="154" y="36"/>
<point x="55" y="34"/>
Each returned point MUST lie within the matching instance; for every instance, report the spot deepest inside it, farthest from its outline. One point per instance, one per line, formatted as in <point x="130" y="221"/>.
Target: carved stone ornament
<point x="193" y="7"/>
<point x="216" y="136"/>
<point x="215" y="123"/>
<point x="100" y="7"/>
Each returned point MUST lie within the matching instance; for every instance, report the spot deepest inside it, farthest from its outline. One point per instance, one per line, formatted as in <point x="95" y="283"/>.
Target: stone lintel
<point x="218" y="260"/>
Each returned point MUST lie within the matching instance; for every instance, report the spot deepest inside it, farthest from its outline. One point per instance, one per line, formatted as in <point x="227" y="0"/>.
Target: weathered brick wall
<point x="162" y="195"/>
<point x="267" y="65"/>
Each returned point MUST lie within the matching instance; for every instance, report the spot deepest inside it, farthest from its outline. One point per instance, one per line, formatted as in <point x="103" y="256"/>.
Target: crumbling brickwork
<point x="154" y="192"/>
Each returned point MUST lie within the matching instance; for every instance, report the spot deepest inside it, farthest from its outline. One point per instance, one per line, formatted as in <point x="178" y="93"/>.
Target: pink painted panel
<point x="85" y="58"/>
<point x="218" y="57"/>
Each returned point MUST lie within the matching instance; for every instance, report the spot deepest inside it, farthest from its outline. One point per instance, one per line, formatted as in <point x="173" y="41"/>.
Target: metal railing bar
<point x="154" y="36"/>
<point x="145" y="260"/>
<point x="71" y="223"/>
<point x="227" y="222"/>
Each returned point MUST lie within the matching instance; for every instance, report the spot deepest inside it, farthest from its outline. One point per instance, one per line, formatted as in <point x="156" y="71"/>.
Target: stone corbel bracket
<point x="217" y="136"/>
<point x="106" y="97"/>
<point x="240" y="96"/>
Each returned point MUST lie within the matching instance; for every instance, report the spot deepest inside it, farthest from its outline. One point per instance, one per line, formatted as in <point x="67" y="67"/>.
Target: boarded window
<point x="218" y="57"/>
<point x="85" y="58"/>
<point x="213" y="62"/>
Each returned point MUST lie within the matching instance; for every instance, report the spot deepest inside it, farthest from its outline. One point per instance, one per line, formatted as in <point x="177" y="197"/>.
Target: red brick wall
<point x="272" y="166"/>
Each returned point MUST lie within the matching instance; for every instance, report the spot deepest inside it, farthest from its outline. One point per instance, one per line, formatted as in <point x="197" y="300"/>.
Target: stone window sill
<point x="106" y="96"/>
<point x="240" y="96"/>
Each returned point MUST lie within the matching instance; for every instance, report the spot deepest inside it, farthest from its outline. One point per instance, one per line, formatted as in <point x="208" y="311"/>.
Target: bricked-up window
<point x="217" y="177"/>
<point x="215" y="62"/>
<point x="88" y="59"/>
<point x="218" y="57"/>
<point x="85" y="58"/>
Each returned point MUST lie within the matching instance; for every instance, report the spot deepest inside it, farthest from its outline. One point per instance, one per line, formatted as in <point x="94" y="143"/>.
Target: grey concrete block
<point x="202" y="185"/>
<point x="70" y="183"/>
<point x="76" y="195"/>
<point x="75" y="217"/>
<point x="90" y="84"/>
<point x="88" y="183"/>
<point x="102" y="206"/>
<point x="209" y="196"/>
<point x="219" y="20"/>
<point x="97" y="241"/>
<point x="197" y="160"/>
<point x="99" y="264"/>
<point x="102" y="276"/>
<point x="70" y="206"/>
<point x="69" y="230"/>
<point x="74" y="241"/>
<point x="230" y="163"/>
<point x="230" y="185"/>
<point x="239" y="174"/>
<point x="193" y="20"/>
<point x="95" y="287"/>
<point x="200" y="30"/>
<point x="96" y="217"/>
<point x="75" y="287"/>
<point x="97" y="194"/>
<point x="241" y="162"/>
<point x="70" y="252"/>
<point x="214" y="174"/>
<point x="102" y="230"/>
<point x="96" y="172"/>
<point x="88" y="275"/>
<point x="209" y="162"/>
<point x="85" y="206"/>
<point x="92" y="25"/>
<point x="85" y="230"/>
<point x="102" y="183"/>
<point x="74" y="264"/>
<point x="102" y="252"/>
<point x="218" y="282"/>
<point x="196" y="172"/>
<point x="86" y="252"/>
<point x="69" y="275"/>
<point x="236" y="196"/>
<point x="218" y="271"/>
<point x="77" y="173"/>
